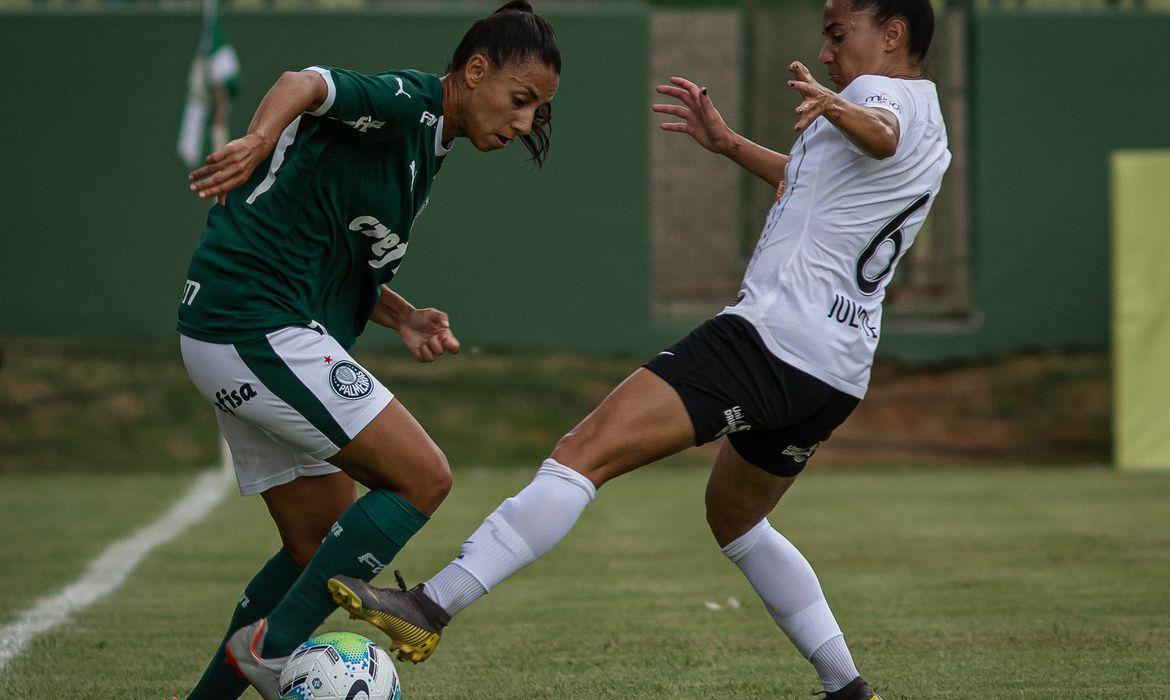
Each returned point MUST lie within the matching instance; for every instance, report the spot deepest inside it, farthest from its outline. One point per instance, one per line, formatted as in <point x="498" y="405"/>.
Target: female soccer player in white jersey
<point x="775" y="372"/>
<point x="316" y="205"/>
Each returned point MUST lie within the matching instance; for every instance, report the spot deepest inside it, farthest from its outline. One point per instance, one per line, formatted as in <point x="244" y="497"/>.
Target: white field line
<point x="106" y="573"/>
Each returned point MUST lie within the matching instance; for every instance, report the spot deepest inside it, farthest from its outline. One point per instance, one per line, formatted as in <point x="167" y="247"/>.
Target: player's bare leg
<point x="305" y="508"/>
<point x="641" y="421"/>
<point x="408" y="477"/>
<point x="739" y="498"/>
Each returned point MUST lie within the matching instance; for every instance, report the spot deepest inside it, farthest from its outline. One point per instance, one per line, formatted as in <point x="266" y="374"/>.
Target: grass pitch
<point x="999" y="583"/>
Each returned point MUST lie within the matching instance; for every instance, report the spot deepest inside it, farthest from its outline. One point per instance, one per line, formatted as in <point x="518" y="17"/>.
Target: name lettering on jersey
<point x="883" y="99"/>
<point x="428" y="119"/>
<point x="387" y="247"/>
<point x="401" y="89"/>
<point x="363" y="124"/>
<point x="189" y="291"/>
<point x="849" y="313"/>
<point x="228" y="401"/>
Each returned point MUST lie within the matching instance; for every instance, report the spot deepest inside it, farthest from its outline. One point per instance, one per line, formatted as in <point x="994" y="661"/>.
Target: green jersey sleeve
<point x="384" y="103"/>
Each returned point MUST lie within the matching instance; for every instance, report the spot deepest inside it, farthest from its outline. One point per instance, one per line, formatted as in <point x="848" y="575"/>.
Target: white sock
<point x="792" y="594"/>
<point x="834" y="664"/>
<point x="520" y="531"/>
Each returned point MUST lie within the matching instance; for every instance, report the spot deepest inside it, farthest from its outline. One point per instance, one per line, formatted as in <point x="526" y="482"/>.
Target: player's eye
<point x="518" y="102"/>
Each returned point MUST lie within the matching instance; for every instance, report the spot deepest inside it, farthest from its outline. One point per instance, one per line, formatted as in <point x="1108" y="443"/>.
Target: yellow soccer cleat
<point x="413" y="621"/>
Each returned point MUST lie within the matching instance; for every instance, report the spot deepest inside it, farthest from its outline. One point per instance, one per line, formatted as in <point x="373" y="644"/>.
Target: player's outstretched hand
<point x="817" y="98"/>
<point x="229" y="167"/>
<point x="699" y="117"/>
<point x="427" y="333"/>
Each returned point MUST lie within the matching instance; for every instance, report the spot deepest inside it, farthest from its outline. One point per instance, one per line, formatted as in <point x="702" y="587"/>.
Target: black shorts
<point x="773" y="414"/>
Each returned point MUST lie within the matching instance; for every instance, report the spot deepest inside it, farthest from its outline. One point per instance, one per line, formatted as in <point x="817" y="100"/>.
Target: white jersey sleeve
<point x="815" y="283"/>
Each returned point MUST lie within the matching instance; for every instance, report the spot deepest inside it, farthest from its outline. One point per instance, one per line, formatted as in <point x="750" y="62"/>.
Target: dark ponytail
<point x="918" y="14"/>
<point x="515" y="34"/>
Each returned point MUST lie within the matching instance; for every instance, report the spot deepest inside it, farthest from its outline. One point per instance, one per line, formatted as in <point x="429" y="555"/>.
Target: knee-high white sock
<point x="521" y="530"/>
<point x="792" y="594"/>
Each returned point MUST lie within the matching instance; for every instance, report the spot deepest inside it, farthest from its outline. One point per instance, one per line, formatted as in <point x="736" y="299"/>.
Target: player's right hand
<point x="699" y="117"/>
<point x="229" y="167"/>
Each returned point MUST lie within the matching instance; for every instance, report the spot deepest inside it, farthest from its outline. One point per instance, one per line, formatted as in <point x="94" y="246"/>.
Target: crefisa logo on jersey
<point x="350" y="381"/>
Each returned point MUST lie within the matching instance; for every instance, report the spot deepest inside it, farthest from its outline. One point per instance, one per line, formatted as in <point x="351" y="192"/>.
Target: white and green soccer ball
<point x="339" y="666"/>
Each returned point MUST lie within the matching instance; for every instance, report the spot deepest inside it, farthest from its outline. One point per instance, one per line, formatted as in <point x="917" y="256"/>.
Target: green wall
<point x="97" y="224"/>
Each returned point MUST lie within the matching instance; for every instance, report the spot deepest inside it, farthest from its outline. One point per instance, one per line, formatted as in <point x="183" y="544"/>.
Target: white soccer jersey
<point x="815" y="283"/>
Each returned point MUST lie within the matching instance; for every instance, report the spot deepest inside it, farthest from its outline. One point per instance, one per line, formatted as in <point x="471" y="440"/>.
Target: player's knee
<point x="441" y="479"/>
<point x="433" y="481"/>
<point x="728" y="522"/>
<point x="577" y="451"/>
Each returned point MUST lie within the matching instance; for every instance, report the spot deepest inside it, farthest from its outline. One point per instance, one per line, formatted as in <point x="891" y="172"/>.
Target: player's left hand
<point x="427" y="334"/>
<point x="229" y="167"/>
<point x="817" y="98"/>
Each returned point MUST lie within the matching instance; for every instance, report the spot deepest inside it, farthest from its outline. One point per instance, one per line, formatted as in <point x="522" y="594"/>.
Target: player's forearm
<point x="293" y="94"/>
<point x="873" y="130"/>
<point x="764" y="163"/>
<point x="391" y="310"/>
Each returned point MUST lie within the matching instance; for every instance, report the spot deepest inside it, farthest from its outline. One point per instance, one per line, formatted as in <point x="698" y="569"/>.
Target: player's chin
<point x="491" y="142"/>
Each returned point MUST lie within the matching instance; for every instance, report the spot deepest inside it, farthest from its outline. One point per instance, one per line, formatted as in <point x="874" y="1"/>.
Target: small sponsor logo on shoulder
<point x="883" y="98"/>
<point x="364" y="124"/>
<point x="350" y="381"/>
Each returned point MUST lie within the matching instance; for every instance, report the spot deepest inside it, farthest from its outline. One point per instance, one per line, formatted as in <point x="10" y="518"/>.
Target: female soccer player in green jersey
<point x="315" y="208"/>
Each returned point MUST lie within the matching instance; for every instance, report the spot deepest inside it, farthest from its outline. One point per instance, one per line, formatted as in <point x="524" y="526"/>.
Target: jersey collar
<point x="440" y="149"/>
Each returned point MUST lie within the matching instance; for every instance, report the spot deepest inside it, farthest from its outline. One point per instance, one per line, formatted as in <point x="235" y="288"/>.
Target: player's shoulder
<point x="895" y="94"/>
<point x="410" y="78"/>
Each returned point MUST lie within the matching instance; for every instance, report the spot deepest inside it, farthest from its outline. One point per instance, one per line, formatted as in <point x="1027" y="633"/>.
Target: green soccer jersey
<point x="325" y="220"/>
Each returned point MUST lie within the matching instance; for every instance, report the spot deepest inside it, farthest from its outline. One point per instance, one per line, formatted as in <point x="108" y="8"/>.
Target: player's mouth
<point x="503" y="141"/>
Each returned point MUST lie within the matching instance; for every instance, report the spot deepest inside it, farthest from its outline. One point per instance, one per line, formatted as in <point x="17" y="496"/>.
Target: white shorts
<point x="285" y="402"/>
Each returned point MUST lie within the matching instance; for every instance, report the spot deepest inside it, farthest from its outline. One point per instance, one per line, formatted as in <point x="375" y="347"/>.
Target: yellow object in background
<point x="1141" y="309"/>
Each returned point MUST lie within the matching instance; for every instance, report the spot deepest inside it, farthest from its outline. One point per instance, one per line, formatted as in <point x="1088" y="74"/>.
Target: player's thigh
<point x="740" y="494"/>
<point x="394" y="452"/>
<point x="305" y="508"/>
<point x="641" y="421"/>
<point x="756" y="467"/>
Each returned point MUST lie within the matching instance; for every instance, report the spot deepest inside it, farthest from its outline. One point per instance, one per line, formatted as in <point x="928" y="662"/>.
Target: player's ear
<point x="475" y="70"/>
<point x="895" y="34"/>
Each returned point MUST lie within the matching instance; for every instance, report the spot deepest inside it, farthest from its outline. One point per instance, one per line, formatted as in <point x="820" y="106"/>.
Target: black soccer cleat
<point x="413" y="621"/>
<point x="857" y="689"/>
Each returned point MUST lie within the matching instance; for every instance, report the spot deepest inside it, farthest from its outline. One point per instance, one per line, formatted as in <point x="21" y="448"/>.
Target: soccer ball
<point x="339" y="666"/>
